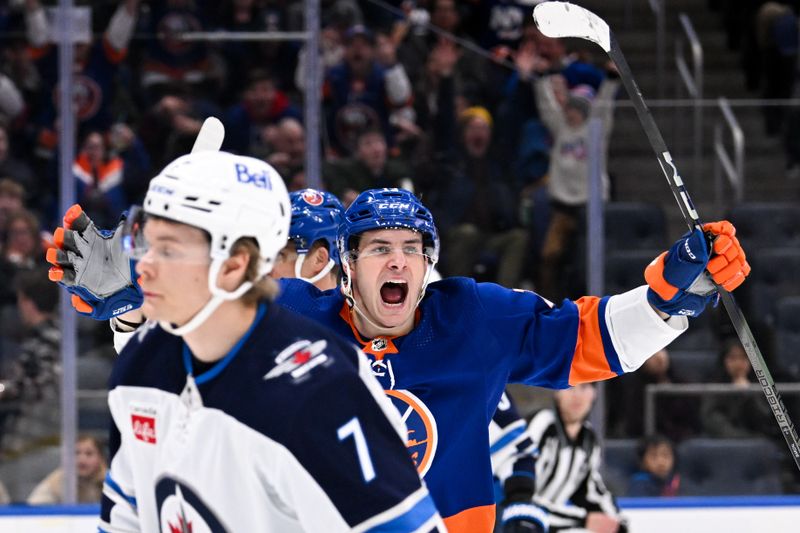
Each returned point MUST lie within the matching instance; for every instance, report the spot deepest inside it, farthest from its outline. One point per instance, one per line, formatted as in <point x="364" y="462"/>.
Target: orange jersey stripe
<point x="472" y="520"/>
<point x="589" y="362"/>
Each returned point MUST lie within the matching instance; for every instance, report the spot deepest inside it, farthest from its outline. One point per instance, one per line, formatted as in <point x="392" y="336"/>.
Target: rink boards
<point x="776" y="514"/>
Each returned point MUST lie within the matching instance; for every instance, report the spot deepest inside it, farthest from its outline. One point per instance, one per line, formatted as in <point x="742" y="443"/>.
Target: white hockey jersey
<point x="288" y="432"/>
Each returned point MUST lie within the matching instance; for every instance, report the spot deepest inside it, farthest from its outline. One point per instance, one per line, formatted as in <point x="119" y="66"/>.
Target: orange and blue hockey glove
<point x="91" y="265"/>
<point x="679" y="279"/>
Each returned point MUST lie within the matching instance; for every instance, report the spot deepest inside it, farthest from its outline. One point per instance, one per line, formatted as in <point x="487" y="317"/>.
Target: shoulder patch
<point x="299" y="358"/>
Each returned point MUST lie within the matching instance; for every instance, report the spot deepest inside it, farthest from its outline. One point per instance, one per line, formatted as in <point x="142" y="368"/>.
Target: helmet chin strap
<point x="298" y="266"/>
<point x="218" y="297"/>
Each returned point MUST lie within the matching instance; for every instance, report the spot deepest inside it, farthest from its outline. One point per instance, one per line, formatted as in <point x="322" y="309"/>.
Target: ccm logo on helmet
<point x="394" y="205"/>
<point x="259" y="179"/>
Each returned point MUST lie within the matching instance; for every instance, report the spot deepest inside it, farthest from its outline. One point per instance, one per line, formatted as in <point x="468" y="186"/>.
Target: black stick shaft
<point x="693" y="221"/>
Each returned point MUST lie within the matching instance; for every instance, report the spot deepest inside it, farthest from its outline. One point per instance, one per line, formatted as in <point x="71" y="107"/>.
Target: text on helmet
<point x="259" y="178"/>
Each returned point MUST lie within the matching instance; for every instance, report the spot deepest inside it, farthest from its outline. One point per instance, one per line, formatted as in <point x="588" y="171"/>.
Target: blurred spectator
<point x="566" y="113"/>
<point x="16" y="63"/>
<point x="262" y="105"/>
<point x="656" y="475"/>
<point x="99" y="178"/>
<point x="417" y="47"/>
<point x="475" y="205"/>
<point x="169" y="127"/>
<point x="5" y="499"/>
<point x="736" y="414"/>
<point x="676" y="416"/>
<point x="35" y="370"/>
<point x="369" y="168"/>
<point x="288" y="143"/>
<point x="336" y="15"/>
<point x="171" y="60"/>
<point x="91" y="469"/>
<point x="125" y="144"/>
<point x="96" y="64"/>
<point x="21" y="249"/>
<point x="11" y="200"/>
<point x="360" y="94"/>
<point x="11" y="103"/>
<point x="498" y="23"/>
<point x="14" y="168"/>
<point x="241" y="57"/>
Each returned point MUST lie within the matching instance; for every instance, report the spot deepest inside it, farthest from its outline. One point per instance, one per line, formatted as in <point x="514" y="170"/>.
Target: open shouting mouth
<point x="394" y="293"/>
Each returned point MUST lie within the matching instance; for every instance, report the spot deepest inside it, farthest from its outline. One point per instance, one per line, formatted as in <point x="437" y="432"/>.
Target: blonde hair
<point x="264" y="289"/>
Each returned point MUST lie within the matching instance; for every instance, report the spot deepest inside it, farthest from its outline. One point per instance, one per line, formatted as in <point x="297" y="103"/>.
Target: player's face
<point x="286" y="261"/>
<point x="174" y="271"/>
<point x="387" y="277"/>
<point x="575" y="403"/>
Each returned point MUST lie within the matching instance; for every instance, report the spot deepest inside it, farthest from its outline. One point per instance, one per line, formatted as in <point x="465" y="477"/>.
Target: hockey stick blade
<point x="562" y="19"/>
<point x="210" y="136"/>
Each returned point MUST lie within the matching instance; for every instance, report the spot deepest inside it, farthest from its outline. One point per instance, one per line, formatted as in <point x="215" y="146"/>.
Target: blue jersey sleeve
<point x="550" y="346"/>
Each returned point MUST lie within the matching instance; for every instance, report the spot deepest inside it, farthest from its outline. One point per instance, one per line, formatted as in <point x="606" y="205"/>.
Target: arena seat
<point x="635" y="226"/>
<point x="619" y="463"/>
<point x="692" y="366"/>
<point x="774" y="276"/>
<point x="625" y="269"/>
<point x="787" y="336"/>
<point x="783" y="228"/>
<point x="729" y="467"/>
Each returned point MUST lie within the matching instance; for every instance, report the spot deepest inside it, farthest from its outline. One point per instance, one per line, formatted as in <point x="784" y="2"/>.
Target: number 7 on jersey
<point x="353" y="427"/>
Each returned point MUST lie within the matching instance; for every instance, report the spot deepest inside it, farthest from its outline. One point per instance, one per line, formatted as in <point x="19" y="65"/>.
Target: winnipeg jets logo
<point x="181" y="510"/>
<point x="298" y="359"/>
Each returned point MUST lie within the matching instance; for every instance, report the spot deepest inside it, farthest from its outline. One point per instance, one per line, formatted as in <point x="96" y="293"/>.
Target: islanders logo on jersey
<point x="423" y="436"/>
<point x="312" y="197"/>
<point x="180" y="509"/>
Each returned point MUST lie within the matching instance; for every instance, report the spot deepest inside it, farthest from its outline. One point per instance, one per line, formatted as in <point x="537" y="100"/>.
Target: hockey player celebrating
<point x="445" y="351"/>
<point x="231" y="413"/>
<point x="311" y="253"/>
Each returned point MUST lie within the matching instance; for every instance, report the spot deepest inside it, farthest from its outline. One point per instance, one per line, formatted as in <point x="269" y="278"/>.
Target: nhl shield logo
<point x="379" y="344"/>
<point x="312" y="197"/>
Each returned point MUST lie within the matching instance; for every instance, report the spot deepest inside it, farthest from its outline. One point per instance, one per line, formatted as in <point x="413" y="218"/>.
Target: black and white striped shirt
<point x="568" y="482"/>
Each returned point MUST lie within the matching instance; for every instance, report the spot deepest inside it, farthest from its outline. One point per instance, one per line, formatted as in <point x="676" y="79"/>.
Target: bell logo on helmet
<point x="162" y="190"/>
<point x="259" y="178"/>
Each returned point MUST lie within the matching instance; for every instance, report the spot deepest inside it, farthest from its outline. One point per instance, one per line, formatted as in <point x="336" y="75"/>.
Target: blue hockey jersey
<point x="288" y="432"/>
<point x="447" y="375"/>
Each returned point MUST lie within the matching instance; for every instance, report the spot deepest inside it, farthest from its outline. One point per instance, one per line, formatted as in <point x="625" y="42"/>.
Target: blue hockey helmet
<point x="387" y="209"/>
<point x="316" y="215"/>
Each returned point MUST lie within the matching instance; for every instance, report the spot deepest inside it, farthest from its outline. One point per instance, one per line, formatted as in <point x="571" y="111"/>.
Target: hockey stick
<point x="210" y="136"/>
<point x="562" y="19"/>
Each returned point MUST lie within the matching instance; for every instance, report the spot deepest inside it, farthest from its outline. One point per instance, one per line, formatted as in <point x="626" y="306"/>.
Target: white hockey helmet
<point x="230" y="197"/>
